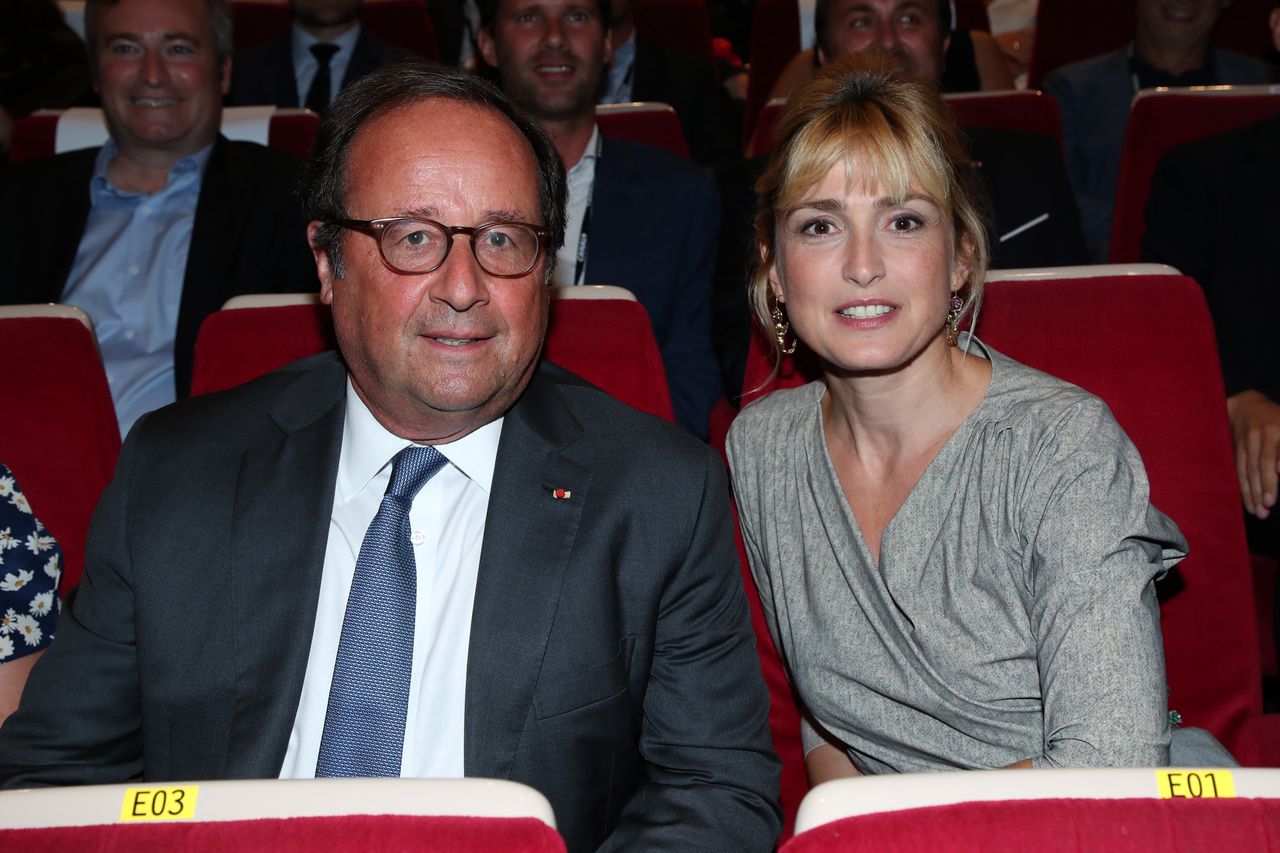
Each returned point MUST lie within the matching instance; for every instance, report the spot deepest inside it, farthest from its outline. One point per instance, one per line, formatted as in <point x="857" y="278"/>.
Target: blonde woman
<point x="956" y="553"/>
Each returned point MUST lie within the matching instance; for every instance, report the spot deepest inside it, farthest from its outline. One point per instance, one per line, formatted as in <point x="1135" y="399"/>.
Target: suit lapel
<point x="529" y="536"/>
<point x="615" y="198"/>
<point x="284" y="499"/>
<point x="279" y="73"/>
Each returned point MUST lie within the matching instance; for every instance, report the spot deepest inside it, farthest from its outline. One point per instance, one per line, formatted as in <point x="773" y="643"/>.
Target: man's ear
<point x="488" y="52"/>
<point x="324" y="271"/>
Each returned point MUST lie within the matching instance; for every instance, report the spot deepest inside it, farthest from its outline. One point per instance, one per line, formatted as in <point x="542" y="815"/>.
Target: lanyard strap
<point x="580" y="268"/>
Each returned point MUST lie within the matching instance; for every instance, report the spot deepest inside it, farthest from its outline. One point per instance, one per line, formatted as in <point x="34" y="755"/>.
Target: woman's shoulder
<point x="775" y="416"/>
<point x="1024" y="397"/>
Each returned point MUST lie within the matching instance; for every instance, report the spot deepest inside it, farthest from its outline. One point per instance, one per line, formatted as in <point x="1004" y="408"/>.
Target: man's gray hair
<point x="219" y="22"/>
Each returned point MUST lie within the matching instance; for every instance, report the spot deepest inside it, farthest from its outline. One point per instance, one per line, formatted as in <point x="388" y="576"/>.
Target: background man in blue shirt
<point x="156" y="229"/>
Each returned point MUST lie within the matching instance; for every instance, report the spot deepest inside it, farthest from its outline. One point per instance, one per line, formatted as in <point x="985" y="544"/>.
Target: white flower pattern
<point x="29" y="580"/>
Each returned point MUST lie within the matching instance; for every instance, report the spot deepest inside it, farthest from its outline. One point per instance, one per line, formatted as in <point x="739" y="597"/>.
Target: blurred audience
<point x="917" y="33"/>
<point x="325" y="50"/>
<point x="643" y="70"/>
<point x="30" y="566"/>
<point x="42" y="62"/>
<point x="638" y="217"/>
<point x="1198" y="200"/>
<point x="155" y="230"/>
<point x="1170" y="48"/>
<point x="1013" y="26"/>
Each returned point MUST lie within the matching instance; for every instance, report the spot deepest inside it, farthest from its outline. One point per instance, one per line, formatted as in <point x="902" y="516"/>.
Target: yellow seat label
<point x="1195" y="784"/>
<point x="159" y="803"/>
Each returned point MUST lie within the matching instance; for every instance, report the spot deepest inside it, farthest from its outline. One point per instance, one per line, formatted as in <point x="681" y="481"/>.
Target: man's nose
<point x="461" y="283"/>
<point x="154" y="68"/>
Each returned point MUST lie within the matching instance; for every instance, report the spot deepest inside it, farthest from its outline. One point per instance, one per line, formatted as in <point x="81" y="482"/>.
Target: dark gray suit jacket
<point x="611" y="660"/>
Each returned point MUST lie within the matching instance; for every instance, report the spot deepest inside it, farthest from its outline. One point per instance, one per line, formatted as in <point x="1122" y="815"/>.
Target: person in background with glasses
<point x="430" y="554"/>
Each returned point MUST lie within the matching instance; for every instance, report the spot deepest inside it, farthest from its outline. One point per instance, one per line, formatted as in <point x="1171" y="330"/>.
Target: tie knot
<point x="323" y="52"/>
<point x="412" y="468"/>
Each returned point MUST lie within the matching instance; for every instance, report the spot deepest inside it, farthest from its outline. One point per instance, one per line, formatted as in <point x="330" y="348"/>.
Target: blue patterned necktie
<point x="369" y="697"/>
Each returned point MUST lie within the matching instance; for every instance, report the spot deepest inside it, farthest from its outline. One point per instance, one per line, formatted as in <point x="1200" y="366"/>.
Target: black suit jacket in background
<point x="249" y="235"/>
<point x="264" y="74"/>
<point x="689" y="85"/>
<point x="611" y="661"/>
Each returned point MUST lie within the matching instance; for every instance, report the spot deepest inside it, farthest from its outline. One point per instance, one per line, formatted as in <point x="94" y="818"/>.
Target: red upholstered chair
<point x="302" y="815"/>
<point x="404" y="23"/>
<point x="649" y="122"/>
<point x="680" y="25"/>
<point x="255" y="334"/>
<point x="604" y="335"/>
<point x="59" y="435"/>
<point x="775" y="38"/>
<point x="1161" y="119"/>
<point x="1028" y="111"/>
<point x="600" y="333"/>
<point x="1078" y="323"/>
<point x="1044" y="810"/>
<point x="50" y="132"/>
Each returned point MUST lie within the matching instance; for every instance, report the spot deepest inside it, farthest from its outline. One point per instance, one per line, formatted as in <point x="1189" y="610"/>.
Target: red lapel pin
<point x="561" y="494"/>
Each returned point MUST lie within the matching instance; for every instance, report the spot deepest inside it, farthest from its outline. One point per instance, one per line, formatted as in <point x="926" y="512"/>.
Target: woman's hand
<point x="825" y="763"/>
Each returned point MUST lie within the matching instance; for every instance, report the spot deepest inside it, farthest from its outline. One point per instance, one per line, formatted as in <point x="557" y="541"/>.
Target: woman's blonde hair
<point x="889" y="132"/>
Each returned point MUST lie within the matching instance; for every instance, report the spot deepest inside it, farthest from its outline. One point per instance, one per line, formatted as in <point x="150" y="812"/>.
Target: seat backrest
<point x="49" y="132"/>
<point x="602" y="335"/>
<point x="1028" y="111"/>
<point x="297" y="814"/>
<point x="775" y="38"/>
<point x="679" y="25"/>
<point x="649" y="122"/>
<point x="1109" y="333"/>
<point x="1162" y="119"/>
<point x="1129" y="810"/>
<point x="403" y="23"/>
<point x="59" y="436"/>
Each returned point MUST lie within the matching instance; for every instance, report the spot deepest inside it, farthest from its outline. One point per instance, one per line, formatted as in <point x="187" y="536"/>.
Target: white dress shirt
<point x="447" y="523"/>
<point x="582" y="179"/>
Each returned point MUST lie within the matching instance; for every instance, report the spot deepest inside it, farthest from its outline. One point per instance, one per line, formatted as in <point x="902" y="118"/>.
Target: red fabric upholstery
<point x="299" y="835"/>
<point x="775" y="38"/>
<point x="1159" y="121"/>
<point x="1112" y="337"/>
<point x="293" y="132"/>
<point x="1057" y="826"/>
<point x="36" y="136"/>
<point x="1071" y="30"/>
<point x="1265" y="572"/>
<point x="403" y="23"/>
<point x="1029" y="111"/>
<point x="33" y="136"/>
<point x="608" y="342"/>
<point x="244" y="343"/>
<point x="655" y="124"/>
<point x="680" y="25"/>
<point x="59" y="435"/>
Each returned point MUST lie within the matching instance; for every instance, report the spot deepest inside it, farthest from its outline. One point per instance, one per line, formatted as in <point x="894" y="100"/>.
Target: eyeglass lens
<point x="502" y="248"/>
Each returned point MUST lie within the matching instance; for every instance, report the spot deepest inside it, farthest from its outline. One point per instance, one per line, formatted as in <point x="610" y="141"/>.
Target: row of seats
<point x="1108" y="334"/>
<point x="1109" y="810"/>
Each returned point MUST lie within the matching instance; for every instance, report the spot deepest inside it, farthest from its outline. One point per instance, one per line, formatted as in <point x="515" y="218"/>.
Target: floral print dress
<point x="30" y="565"/>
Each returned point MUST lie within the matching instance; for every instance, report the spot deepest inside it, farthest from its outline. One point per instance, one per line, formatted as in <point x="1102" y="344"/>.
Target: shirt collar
<point x="589" y="153"/>
<point x="368" y="447"/>
<point x="302" y="41"/>
<point x="100" y="186"/>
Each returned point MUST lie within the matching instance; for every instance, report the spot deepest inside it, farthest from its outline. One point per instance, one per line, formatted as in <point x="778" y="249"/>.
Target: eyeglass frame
<point x="376" y="227"/>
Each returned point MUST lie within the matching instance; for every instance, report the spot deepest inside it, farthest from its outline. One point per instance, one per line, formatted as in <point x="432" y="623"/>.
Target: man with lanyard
<point x="175" y="220"/>
<point x="638" y="217"/>
<point x="1170" y="48"/>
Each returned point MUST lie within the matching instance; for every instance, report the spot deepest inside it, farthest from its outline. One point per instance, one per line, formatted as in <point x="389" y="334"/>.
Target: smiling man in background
<point x="155" y="230"/>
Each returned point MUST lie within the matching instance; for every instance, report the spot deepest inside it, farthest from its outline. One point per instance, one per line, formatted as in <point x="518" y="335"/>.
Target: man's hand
<point x="1255" y="431"/>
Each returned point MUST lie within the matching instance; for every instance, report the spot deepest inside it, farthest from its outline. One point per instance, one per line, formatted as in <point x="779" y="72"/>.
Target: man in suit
<point x="547" y="591"/>
<point x="638" y="216"/>
<point x="155" y="230"/>
<point x="325" y="50"/>
<point x="643" y="70"/>
<point x="1170" y="48"/>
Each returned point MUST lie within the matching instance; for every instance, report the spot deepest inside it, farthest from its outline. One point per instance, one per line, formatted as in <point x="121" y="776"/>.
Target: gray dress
<point x="1012" y="614"/>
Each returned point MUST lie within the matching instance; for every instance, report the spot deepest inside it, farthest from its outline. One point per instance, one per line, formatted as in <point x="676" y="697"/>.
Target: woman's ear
<point x="966" y="246"/>
<point x="769" y="263"/>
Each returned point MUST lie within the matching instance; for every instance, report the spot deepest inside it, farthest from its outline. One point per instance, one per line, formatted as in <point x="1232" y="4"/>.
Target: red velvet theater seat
<point x="1108" y="330"/>
<point x="1161" y="119"/>
<point x="649" y="122"/>
<point x="1045" y="810"/>
<point x="37" y="135"/>
<point x="59" y="435"/>
<point x="600" y="333"/>
<point x="451" y="815"/>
